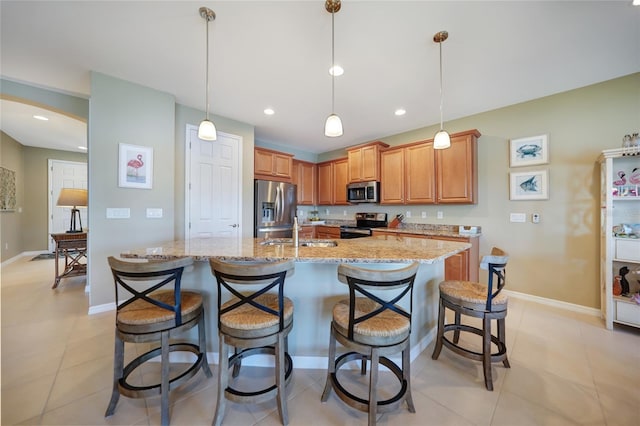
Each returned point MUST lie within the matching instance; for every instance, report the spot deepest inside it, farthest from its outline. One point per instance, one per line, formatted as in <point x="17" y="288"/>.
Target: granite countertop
<point x="433" y="230"/>
<point x="380" y="249"/>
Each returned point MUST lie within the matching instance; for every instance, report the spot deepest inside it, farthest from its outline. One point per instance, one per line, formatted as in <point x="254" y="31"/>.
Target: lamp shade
<point x="442" y="140"/>
<point x="333" y="126"/>
<point x="207" y="131"/>
<point x="72" y="197"/>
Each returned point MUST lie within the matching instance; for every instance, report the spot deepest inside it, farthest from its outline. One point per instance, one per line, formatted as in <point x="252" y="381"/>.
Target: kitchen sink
<point x="318" y="243"/>
<point x="301" y="243"/>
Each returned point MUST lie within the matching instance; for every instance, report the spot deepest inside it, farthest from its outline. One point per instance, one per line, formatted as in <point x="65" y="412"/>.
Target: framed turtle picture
<point x="533" y="185"/>
<point x="529" y="151"/>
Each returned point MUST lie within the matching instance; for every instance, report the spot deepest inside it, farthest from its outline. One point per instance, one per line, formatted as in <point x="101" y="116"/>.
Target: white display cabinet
<point x="620" y="212"/>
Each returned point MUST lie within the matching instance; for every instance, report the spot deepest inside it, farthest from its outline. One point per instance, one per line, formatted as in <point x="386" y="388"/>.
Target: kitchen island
<point x="314" y="287"/>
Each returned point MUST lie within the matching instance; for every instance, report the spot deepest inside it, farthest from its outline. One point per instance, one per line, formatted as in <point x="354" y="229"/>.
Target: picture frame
<point x="135" y="166"/>
<point x="533" y="185"/>
<point x="529" y="151"/>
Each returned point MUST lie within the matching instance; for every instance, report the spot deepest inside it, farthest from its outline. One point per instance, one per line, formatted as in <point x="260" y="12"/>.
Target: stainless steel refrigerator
<point x="275" y="207"/>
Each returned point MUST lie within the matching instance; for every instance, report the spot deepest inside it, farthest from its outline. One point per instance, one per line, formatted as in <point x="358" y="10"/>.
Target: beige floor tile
<point x="514" y="410"/>
<point x="90" y="410"/>
<point x="620" y="407"/>
<point x="89" y="349"/>
<point x="26" y="401"/>
<point x="81" y="380"/>
<point x="566" y="398"/>
<point x="20" y="368"/>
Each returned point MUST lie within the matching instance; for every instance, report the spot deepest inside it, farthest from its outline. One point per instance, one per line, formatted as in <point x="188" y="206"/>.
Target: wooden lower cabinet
<point x="307" y="231"/>
<point x="327" y="232"/>
<point x="461" y="266"/>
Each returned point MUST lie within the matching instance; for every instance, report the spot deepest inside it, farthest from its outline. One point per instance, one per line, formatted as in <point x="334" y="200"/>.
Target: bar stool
<point x="150" y="314"/>
<point x="479" y="301"/>
<point x="372" y="326"/>
<point x="253" y="322"/>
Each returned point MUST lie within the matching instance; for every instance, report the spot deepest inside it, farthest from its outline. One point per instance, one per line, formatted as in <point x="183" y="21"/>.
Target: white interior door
<point x="213" y="199"/>
<point x="64" y="174"/>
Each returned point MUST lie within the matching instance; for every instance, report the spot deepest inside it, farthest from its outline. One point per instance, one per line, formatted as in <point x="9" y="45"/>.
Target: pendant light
<point x="442" y="139"/>
<point x="207" y="130"/>
<point x="333" y="125"/>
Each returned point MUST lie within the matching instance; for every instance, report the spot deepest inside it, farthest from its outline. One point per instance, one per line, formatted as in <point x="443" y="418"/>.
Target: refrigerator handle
<point x="278" y="202"/>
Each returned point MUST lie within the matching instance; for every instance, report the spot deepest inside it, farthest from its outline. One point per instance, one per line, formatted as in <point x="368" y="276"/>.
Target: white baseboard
<point x="555" y="303"/>
<point x="98" y="309"/>
<point x="21" y="255"/>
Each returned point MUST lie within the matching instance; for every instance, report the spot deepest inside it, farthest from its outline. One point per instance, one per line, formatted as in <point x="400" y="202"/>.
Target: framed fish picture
<point x="135" y="166"/>
<point x="529" y="151"/>
<point x="533" y="185"/>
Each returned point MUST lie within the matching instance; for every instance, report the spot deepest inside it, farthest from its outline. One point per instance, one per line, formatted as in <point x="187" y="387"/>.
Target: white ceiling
<point x="277" y="53"/>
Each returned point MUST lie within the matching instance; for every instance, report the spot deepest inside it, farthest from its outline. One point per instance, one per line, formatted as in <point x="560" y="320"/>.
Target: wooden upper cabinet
<point x="419" y="174"/>
<point x="420" y="185"/>
<point x="364" y="162"/>
<point x="272" y="165"/>
<point x="392" y="182"/>
<point x="341" y="178"/>
<point x="457" y="169"/>
<point x="332" y="182"/>
<point x="408" y="174"/>
<point x="305" y="176"/>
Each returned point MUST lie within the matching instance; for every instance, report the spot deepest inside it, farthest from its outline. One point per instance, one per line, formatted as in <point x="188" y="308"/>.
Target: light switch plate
<point x="154" y="213"/>
<point x="518" y="217"/>
<point x="118" y="213"/>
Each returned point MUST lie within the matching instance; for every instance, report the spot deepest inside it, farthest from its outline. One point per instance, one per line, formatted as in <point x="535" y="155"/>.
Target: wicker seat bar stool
<point x="479" y="301"/>
<point x="256" y="319"/>
<point x="374" y="323"/>
<point x="150" y="313"/>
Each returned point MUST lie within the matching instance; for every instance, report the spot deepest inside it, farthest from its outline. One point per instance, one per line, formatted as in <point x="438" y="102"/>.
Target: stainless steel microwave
<point x="363" y="192"/>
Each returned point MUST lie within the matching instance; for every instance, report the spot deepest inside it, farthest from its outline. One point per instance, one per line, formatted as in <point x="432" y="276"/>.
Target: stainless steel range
<point x="365" y="222"/>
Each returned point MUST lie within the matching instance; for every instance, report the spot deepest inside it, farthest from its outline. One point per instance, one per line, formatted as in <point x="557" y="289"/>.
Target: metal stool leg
<point x="406" y="373"/>
<point x="118" y="366"/>
<point x="438" y="346"/>
<point x="502" y="336"/>
<point x="164" y="387"/>
<point x="202" y="343"/>
<point x="486" y="352"/>
<point x="373" y="386"/>
<point x="280" y="381"/>
<point x="223" y="381"/>
<point x="331" y="368"/>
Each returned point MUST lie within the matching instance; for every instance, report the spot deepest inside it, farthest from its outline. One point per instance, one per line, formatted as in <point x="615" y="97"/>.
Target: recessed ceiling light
<point x="84" y="148"/>
<point x="400" y="111"/>
<point x="336" y="70"/>
<point x="269" y="111"/>
<point x="40" y="117"/>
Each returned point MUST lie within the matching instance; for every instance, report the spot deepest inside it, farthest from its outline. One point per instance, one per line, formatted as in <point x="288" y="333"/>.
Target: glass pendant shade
<point x="442" y="140"/>
<point x="207" y="130"/>
<point x="333" y="126"/>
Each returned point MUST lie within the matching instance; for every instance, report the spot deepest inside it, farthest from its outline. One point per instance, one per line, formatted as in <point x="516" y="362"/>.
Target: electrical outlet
<point x="344" y="213"/>
<point x="440" y="215"/>
<point x="424" y="215"/>
<point x="408" y="214"/>
<point x="326" y="211"/>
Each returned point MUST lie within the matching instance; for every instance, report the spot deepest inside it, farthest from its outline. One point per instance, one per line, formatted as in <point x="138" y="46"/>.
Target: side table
<point x="73" y="246"/>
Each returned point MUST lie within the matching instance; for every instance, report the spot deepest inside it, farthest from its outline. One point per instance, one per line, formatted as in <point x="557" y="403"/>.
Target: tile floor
<point x="566" y="368"/>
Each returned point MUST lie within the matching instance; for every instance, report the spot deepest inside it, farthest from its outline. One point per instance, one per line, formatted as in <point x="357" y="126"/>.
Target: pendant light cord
<point x="440" y="43"/>
<point x="333" y="66"/>
<point x="207" y="68"/>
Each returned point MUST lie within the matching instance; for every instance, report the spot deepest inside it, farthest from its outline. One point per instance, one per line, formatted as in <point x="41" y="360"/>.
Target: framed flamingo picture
<point x="135" y="166"/>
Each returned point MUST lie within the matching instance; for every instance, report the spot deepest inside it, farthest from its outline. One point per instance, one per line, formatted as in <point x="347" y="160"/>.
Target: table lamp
<point x="74" y="198"/>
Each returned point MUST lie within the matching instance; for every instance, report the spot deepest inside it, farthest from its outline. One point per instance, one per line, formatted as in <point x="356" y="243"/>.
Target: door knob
<point x="235" y="225"/>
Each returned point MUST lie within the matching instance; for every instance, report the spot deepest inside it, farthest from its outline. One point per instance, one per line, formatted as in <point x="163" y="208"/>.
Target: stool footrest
<point x="361" y="404"/>
<point x="477" y="356"/>
<point x="133" y="391"/>
<point x="263" y="394"/>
